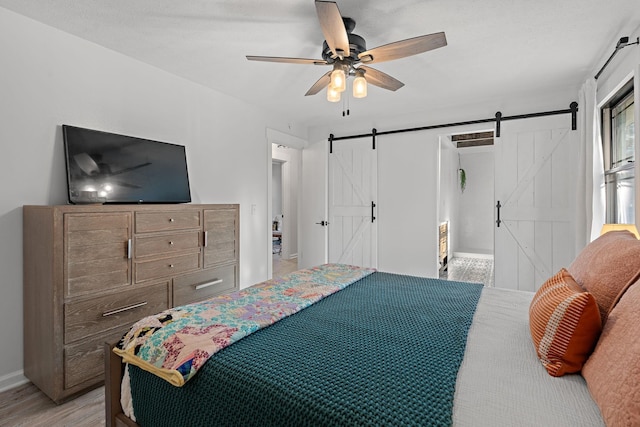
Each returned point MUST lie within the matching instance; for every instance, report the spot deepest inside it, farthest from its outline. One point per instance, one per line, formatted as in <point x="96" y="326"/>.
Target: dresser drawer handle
<point x="121" y="309"/>
<point x="171" y="219"/>
<point x="170" y="243"/>
<point x="170" y="265"/>
<point x="206" y="285"/>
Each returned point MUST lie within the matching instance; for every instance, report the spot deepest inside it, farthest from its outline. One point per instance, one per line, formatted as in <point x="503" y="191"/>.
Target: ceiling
<point x="496" y="48"/>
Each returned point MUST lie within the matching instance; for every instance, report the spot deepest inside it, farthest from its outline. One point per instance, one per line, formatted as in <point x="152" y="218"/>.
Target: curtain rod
<point x="622" y="43"/>
<point x="573" y="109"/>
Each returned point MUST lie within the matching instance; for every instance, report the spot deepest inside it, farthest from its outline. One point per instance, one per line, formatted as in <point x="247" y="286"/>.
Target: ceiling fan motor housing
<point x="357" y="45"/>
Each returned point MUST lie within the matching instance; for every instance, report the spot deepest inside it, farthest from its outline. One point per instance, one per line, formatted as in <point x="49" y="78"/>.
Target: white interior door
<point x="312" y="249"/>
<point x="535" y="183"/>
<point x="352" y="196"/>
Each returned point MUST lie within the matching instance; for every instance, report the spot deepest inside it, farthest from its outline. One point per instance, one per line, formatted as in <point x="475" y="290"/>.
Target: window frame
<point x="613" y="175"/>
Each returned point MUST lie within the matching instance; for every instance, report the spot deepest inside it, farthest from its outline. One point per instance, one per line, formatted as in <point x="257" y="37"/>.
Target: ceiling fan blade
<point x="287" y="60"/>
<point x="380" y="79"/>
<point x="335" y="34"/>
<point x="403" y="48"/>
<point x="320" y="84"/>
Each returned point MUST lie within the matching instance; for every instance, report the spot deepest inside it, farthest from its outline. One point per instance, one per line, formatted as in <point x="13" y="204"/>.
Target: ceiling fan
<point x="348" y="53"/>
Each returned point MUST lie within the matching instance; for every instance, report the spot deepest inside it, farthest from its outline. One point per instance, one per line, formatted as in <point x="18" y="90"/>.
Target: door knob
<point x="323" y="223"/>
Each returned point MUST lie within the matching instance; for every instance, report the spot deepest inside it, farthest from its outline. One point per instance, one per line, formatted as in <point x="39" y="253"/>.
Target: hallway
<point x="477" y="270"/>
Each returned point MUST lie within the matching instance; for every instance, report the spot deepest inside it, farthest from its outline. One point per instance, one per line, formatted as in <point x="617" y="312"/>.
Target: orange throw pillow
<point x="565" y="324"/>
<point x="606" y="266"/>
<point x="613" y="370"/>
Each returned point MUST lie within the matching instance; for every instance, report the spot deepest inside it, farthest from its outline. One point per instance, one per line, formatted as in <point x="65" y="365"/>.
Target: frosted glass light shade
<point x="338" y="80"/>
<point x="332" y="94"/>
<point x="359" y="86"/>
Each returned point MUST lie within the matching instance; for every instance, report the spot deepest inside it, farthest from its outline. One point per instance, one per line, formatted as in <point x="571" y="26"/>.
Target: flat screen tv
<point x="105" y="167"/>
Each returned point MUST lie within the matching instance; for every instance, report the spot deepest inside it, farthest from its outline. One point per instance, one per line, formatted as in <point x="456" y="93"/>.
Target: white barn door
<point x="535" y="184"/>
<point x="353" y="181"/>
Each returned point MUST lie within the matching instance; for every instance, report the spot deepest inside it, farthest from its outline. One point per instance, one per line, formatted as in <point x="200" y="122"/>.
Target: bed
<point x="373" y="348"/>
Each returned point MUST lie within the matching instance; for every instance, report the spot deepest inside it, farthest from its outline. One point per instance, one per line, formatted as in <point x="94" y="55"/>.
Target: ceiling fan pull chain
<point x="348" y="99"/>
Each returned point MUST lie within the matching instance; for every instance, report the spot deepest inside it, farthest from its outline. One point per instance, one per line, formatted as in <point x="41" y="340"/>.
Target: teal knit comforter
<point x="384" y="351"/>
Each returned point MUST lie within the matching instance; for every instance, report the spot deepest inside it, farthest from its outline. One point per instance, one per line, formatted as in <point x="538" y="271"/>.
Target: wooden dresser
<point x="90" y="271"/>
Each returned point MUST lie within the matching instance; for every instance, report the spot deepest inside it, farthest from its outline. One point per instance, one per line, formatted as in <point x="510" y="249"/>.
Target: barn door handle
<point x="498" y="220"/>
<point x="373" y="205"/>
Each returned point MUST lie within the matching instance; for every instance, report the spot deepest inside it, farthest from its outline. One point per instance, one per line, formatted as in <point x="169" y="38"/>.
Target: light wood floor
<point x="283" y="266"/>
<point x="27" y="406"/>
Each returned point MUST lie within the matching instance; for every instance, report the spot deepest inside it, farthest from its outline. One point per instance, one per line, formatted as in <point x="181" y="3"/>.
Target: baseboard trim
<point x="12" y="380"/>
<point x="472" y="255"/>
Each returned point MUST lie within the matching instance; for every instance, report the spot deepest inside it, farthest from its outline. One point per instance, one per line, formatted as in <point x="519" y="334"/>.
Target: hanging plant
<point x="462" y="175"/>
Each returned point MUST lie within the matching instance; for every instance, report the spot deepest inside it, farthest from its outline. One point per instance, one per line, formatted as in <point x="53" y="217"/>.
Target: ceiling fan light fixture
<point x="359" y="85"/>
<point x="338" y="79"/>
<point x="332" y="94"/>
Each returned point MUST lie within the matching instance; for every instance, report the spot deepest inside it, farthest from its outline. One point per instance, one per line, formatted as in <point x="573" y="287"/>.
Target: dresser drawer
<point x="146" y="222"/>
<point x="204" y="284"/>
<point x="85" y="361"/>
<point x="88" y="277"/>
<point x="166" y="267"/>
<point x="84" y="319"/>
<point x="166" y="244"/>
<point x="93" y="221"/>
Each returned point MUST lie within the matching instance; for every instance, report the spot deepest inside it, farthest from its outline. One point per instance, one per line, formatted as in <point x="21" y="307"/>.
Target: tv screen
<point x="105" y="167"/>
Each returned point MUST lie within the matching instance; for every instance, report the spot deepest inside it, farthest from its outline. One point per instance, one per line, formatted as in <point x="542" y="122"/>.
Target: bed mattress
<point x="499" y="381"/>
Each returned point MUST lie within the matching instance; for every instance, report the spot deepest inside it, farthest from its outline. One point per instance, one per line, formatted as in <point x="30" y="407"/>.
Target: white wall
<point x="476" y="204"/>
<point x="49" y="78"/>
<point x="407" y="195"/>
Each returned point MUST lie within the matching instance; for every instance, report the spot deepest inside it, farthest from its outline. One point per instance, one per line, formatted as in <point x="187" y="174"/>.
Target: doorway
<point x="467" y="175"/>
<point x="283" y="241"/>
<point x="284" y="171"/>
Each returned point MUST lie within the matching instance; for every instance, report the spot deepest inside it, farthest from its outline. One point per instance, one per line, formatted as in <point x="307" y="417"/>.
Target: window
<point x="618" y="138"/>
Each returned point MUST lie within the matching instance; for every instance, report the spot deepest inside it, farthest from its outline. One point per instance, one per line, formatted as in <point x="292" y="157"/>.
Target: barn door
<point x="352" y="203"/>
<point x="535" y="187"/>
